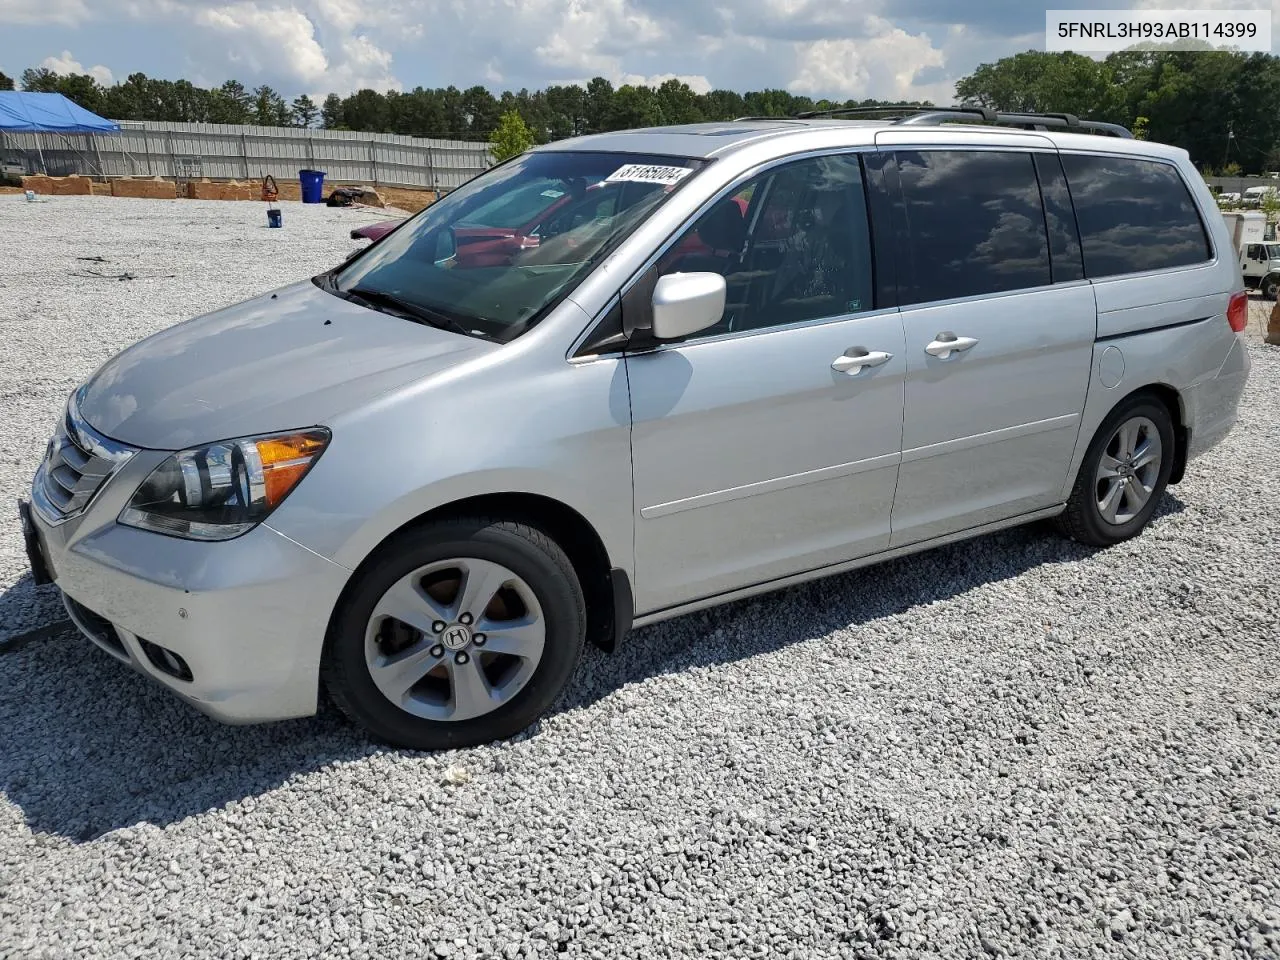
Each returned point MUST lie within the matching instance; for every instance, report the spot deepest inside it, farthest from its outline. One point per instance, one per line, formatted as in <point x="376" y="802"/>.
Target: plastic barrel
<point x="312" y="185"/>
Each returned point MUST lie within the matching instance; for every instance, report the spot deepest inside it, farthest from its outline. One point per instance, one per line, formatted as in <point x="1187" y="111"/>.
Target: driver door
<point x="769" y="444"/>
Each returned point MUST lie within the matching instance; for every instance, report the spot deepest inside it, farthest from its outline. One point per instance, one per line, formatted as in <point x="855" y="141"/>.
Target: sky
<point x="888" y="49"/>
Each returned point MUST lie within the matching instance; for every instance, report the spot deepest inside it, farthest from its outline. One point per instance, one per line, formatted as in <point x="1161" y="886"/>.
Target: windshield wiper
<point x="380" y="300"/>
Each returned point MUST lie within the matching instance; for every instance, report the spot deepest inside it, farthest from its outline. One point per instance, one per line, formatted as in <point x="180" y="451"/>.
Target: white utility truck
<point x="1259" y="259"/>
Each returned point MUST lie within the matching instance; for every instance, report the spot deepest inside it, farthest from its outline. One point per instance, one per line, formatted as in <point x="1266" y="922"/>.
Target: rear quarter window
<point x="1134" y="215"/>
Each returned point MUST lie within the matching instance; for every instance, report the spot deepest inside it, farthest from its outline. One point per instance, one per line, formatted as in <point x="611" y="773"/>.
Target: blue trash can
<point x="312" y="185"/>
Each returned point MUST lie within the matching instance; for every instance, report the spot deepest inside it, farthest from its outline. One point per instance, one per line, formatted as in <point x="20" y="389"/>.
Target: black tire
<point x="523" y="549"/>
<point x="1270" y="287"/>
<point x="1082" y="520"/>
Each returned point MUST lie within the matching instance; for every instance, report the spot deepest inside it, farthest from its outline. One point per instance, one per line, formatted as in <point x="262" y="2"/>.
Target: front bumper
<point x="247" y="617"/>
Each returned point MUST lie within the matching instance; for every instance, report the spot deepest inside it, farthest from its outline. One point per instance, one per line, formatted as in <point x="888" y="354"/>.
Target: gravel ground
<point x="1011" y="747"/>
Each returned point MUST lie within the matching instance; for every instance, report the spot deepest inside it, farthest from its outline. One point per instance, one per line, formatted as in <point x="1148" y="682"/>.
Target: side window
<point x="975" y="224"/>
<point x="792" y="244"/>
<point x="1134" y="215"/>
<point x="1254" y="252"/>
<point x="1064" y="242"/>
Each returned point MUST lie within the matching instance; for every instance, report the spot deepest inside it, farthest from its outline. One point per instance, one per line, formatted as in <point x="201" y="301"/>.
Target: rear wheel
<point x="1124" y="474"/>
<point x="1271" y="286"/>
<point x="458" y="633"/>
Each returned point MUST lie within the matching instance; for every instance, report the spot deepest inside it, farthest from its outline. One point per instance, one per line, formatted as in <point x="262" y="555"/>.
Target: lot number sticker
<point x="648" y="173"/>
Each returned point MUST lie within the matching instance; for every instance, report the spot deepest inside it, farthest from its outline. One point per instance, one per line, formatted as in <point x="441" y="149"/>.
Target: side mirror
<point x="684" y="303"/>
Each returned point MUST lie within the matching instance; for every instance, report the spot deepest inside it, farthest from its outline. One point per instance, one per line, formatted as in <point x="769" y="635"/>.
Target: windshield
<point x="492" y="257"/>
<point x="1273" y="251"/>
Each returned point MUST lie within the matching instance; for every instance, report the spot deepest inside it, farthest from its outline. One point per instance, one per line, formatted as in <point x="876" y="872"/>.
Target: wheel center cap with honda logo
<point x="457" y="636"/>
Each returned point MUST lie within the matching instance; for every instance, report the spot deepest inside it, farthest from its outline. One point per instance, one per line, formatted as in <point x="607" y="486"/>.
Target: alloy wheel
<point x="455" y="639"/>
<point x="1128" y="471"/>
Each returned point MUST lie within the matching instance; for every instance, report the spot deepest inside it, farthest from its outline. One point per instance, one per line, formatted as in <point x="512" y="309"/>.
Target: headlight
<point x="225" y="489"/>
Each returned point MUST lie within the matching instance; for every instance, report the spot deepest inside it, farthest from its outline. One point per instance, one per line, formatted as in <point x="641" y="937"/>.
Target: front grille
<point x="79" y="460"/>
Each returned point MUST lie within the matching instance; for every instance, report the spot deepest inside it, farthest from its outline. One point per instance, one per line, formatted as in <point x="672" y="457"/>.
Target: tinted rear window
<point x="1134" y="215"/>
<point x="975" y="222"/>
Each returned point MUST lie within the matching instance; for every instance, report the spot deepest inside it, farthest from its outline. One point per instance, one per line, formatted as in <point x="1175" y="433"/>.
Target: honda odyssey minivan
<point x="630" y="375"/>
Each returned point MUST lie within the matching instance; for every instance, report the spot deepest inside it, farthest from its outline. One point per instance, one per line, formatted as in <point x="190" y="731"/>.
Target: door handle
<point x="853" y="360"/>
<point x="947" y="343"/>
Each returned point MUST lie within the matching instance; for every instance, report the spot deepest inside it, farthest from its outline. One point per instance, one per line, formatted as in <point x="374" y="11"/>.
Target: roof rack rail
<point x="914" y="114"/>
<point x="794" y="119"/>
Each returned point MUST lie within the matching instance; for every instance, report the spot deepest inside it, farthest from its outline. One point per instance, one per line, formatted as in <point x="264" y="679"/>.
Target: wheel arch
<point x="1173" y="401"/>
<point x="606" y="588"/>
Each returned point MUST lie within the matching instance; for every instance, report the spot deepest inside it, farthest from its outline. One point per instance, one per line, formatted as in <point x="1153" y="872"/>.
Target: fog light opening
<point x="166" y="661"/>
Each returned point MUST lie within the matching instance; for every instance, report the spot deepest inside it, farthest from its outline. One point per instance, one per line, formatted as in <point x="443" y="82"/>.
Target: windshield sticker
<point x="552" y="194"/>
<point x="648" y="173"/>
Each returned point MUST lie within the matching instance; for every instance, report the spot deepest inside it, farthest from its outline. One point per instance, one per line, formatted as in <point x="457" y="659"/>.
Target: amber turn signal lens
<point x="286" y="459"/>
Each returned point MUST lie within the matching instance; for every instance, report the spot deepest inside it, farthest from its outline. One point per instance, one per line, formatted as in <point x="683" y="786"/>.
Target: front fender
<point x="557" y="430"/>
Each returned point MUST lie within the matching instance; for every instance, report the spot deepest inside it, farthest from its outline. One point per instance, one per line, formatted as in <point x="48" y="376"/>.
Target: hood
<point x="281" y="361"/>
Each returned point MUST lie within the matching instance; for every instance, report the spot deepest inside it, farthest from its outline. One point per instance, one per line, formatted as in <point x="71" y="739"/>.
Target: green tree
<point x="269" y="108"/>
<point x="1039" y="82"/>
<point x="678" y="103"/>
<point x="722" y="105"/>
<point x="6" y="82"/>
<point x="598" y="105"/>
<point x="566" y="111"/>
<point x="39" y="80"/>
<point x="634" y="107"/>
<point x="365" y="110"/>
<point x="420" y="113"/>
<point x="510" y="138"/>
<point x="331" y="112"/>
<point x="769" y="103"/>
<point x="1270" y="205"/>
<point x="456" y="120"/>
<point x="1142" y="128"/>
<point x="304" y="111"/>
<point x="481" y="110"/>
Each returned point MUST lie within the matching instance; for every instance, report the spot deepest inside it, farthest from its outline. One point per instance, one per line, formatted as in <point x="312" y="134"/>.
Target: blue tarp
<point x="22" y="112"/>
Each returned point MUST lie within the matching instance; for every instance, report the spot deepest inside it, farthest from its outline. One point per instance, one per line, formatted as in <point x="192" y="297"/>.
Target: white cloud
<point x="260" y="37"/>
<point x="67" y="64"/>
<point x="833" y="48"/>
<point x="697" y="83"/>
<point x="883" y="64"/>
<point x="263" y="40"/>
<point x="34" y="12"/>
<point x="362" y="63"/>
<point x="584" y="35"/>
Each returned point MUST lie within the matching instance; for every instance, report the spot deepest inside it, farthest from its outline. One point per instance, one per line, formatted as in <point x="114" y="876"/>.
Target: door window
<point x="1134" y="215"/>
<point x="793" y="244"/>
<point x="1064" y="241"/>
<point x="975" y="223"/>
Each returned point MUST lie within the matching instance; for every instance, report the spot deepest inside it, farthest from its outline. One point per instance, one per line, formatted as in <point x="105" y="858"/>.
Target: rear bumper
<point x="246" y="617"/>
<point x="1214" y="403"/>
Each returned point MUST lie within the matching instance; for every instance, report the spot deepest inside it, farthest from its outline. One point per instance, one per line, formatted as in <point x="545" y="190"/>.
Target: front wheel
<point x="1123" y="476"/>
<point x="457" y="633"/>
<point x="1271" y="286"/>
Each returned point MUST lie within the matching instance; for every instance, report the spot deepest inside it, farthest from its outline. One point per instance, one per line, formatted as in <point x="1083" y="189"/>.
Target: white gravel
<point x="1011" y="747"/>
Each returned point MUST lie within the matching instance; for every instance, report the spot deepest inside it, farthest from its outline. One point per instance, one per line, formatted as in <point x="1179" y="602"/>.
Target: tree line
<point x="1224" y="108"/>
<point x="447" y="112"/>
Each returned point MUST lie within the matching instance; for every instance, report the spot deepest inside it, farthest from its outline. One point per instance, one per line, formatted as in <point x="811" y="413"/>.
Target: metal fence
<point x="230" y="151"/>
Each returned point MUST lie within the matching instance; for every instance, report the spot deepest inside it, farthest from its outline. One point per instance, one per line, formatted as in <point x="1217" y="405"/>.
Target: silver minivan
<point x="631" y="375"/>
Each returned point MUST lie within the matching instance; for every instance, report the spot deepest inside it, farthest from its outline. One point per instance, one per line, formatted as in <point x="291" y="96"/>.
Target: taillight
<point x="1238" y="311"/>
